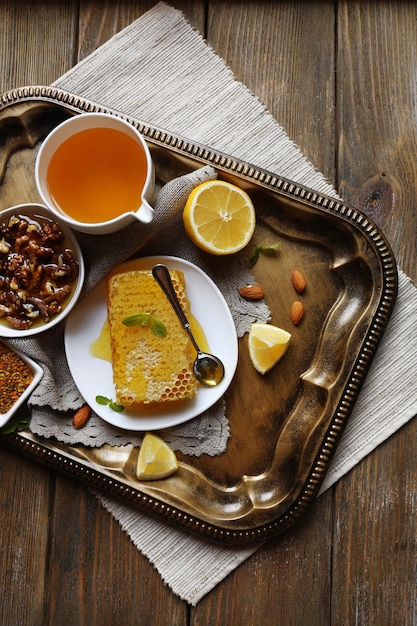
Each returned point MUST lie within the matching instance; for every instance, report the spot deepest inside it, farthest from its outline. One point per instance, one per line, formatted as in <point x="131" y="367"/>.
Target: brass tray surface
<point x="285" y="426"/>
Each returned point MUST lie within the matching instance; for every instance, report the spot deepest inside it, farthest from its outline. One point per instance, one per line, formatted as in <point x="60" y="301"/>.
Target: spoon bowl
<point x="208" y="369"/>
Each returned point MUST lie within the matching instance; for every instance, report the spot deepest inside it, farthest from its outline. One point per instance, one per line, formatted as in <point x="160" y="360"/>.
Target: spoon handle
<point x="161" y="274"/>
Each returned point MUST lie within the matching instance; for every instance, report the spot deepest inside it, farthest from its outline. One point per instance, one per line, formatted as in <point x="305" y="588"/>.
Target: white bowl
<point x="37" y="375"/>
<point x="143" y="212"/>
<point x="38" y="210"/>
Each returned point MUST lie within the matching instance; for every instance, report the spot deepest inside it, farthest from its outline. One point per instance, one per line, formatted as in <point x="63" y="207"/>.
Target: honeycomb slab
<point x="148" y="368"/>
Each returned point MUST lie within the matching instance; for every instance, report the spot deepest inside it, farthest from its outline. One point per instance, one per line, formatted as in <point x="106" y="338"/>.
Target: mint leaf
<point x="102" y="400"/>
<point x="157" y="327"/>
<point x="269" y="250"/>
<point x="118" y="408"/>
<point x="112" y="405"/>
<point x="138" y="318"/>
<point x="255" y="256"/>
<point x="14" y="424"/>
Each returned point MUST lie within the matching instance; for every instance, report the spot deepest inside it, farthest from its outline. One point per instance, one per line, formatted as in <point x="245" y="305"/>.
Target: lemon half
<point x="156" y="459"/>
<point x="267" y="345"/>
<point x="219" y="217"/>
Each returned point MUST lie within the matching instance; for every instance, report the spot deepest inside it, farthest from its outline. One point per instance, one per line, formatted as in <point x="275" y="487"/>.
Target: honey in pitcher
<point x="97" y="174"/>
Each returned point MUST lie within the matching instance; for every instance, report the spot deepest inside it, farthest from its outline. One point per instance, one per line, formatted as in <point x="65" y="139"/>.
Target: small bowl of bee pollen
<point x="41" y="270"/>
<point x="19" y="376"/>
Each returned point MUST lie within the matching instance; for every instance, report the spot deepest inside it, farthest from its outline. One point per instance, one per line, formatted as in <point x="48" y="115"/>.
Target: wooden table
<point x="341" y="78"/>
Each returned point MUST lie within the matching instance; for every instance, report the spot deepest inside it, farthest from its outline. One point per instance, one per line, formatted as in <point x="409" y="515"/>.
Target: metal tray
<point x="286" y="425"/>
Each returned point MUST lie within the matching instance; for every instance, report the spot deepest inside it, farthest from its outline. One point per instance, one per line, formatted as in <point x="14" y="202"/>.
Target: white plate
<point x="94" y="376"/>
<point x="37" y="375"/>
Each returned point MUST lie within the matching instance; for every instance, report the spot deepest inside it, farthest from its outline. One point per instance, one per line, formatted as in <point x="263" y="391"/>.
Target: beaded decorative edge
<point x="61" y="458"/>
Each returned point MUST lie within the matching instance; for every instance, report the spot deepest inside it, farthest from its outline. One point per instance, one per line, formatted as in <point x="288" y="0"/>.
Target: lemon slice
<point x="156" y="459"/>
<point x="267" y="345"/>
<point x="219" y="217"/>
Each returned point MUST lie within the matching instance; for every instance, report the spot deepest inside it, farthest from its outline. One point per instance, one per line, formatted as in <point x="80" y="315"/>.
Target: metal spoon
<point x="208" y="369"/>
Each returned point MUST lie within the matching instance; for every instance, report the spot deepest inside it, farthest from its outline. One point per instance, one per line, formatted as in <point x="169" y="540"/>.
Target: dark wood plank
<point x="25" y="500"/>
<point x="288" y="580"/>
<point x="27" y="57"/>
<point x="96" y="575"/>
<point x="37" y="42"/>
<point x="376" y="95"/>
<point x="80" y="567"/>
<point x="99" y="21"/>
<point x="376" y="533"/>
<point x="375" y="543"/>
<point x="285" y="582"/>
<point x="130" y="590"/>
<point x="351" y="560"/>
<point x="284" y="53"/>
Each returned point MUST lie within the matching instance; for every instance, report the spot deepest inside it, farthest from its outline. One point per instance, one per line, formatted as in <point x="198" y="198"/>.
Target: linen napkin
<point x="57" y="394"/>
<point x="200" y="99"/>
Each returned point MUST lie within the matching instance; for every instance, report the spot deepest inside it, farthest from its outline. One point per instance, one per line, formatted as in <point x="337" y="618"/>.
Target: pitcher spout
<point x="145" y="213"/>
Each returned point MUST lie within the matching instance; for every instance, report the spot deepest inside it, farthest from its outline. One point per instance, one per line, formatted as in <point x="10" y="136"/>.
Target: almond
<point x="252" y="292"/>
<point x="81" y="417"/>
<point x="298" y="280"/>
<point x="297" y="312"/>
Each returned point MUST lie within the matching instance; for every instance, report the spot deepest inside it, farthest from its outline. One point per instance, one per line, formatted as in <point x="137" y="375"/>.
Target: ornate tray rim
<point x="60" y="456"/>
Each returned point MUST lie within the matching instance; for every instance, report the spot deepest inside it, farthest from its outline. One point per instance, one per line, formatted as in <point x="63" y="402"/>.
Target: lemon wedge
<point x="156" y="459"/>
<point x="267" y="345"/>
<point x="219" y="217"/>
